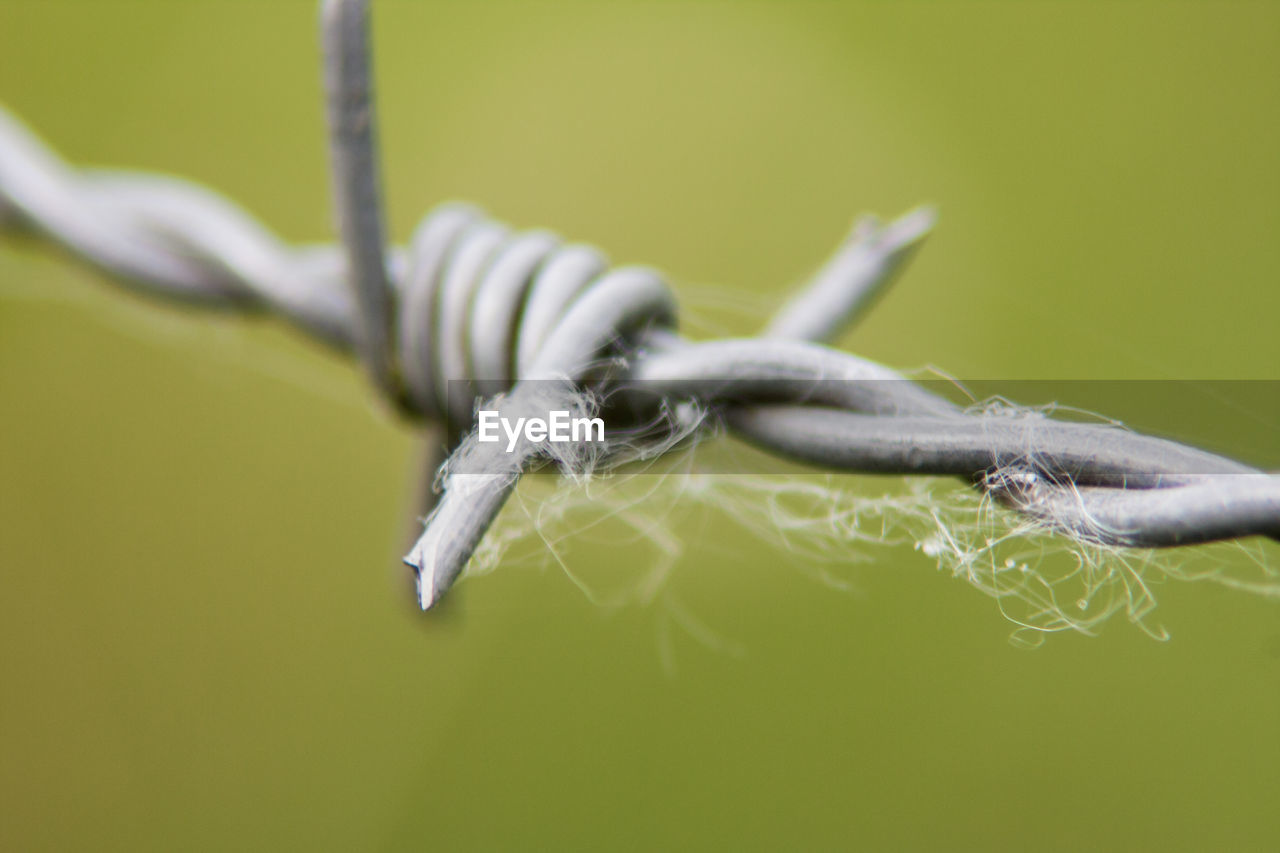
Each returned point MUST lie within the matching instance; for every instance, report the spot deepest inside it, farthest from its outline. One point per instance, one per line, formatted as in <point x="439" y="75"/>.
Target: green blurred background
<point x="205" y="640"/>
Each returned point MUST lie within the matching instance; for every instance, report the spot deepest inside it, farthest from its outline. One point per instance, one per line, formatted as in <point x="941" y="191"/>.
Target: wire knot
<point x="480" y="305"/>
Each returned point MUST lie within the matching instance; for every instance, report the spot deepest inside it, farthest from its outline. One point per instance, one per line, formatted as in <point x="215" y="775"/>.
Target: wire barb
<point x="353" y="149"/>
<point x="471" y="310"/>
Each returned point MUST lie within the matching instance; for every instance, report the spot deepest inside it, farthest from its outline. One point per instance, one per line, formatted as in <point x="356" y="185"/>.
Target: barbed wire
<point x="473" y="310"/>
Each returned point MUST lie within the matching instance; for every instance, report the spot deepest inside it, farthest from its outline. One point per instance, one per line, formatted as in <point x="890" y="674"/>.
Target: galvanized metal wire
<point x="471" y="309"/>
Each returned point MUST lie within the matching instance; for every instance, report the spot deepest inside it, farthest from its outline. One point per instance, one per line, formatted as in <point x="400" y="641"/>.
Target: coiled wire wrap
<point x="480" y="303"/>
<point x="472" y="310"/>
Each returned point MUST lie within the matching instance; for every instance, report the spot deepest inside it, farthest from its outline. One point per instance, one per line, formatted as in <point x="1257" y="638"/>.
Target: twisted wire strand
<point x="471" y="309"/>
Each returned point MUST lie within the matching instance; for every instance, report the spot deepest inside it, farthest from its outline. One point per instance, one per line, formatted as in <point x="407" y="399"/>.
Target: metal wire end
<point x="851" y="281"/>
<point x="348" y="82"/>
